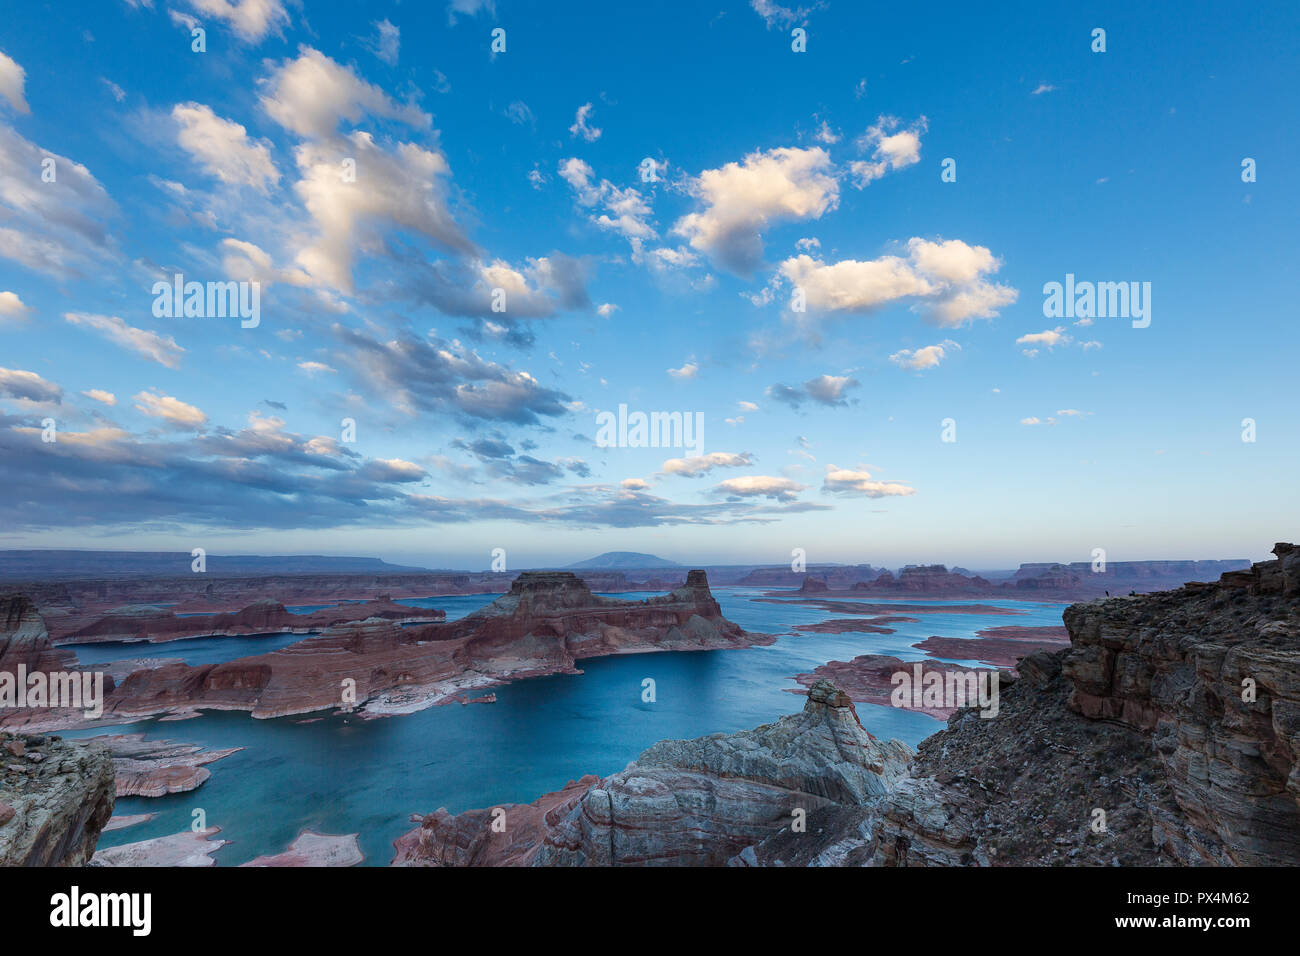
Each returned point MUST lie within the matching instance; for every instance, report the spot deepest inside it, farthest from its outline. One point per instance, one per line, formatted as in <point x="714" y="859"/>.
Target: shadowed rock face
<point x="24" y="640"/>
<point x="55" y="797"/>
<point x="694" y="802"/>
<point x="546" y="622"/>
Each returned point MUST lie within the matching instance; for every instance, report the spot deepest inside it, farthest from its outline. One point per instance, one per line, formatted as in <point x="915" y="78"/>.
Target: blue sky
<point x="778" y="174"/>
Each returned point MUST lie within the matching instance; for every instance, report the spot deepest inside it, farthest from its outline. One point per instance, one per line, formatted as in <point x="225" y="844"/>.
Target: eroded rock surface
<point x="55" y="798"/>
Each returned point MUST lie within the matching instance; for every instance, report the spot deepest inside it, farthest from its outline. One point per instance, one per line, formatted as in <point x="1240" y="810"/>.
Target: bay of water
<point x="342" y="774"/>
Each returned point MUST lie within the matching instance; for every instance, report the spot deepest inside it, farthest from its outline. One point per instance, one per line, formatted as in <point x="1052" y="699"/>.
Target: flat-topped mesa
<point x="546" y="623"/>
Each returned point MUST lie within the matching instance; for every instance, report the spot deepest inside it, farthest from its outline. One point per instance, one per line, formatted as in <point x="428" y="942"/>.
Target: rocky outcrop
<point x="189" y="848"/>
<point x="543" y="625"/>
<point x="24" y="639"/>
<point x="697" y="802"/>
<point x="55" y="798"/>
<point x="1167" y="733"/>
<point x="1212" y="674"/>
<point x="155" y="768"/>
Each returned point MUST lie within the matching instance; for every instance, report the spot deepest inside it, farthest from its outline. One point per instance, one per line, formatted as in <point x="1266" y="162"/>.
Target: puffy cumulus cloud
<point x="741" y="199"/>
<point x="760" y="486"/>
<point x="11" y="307"/>
<point x="312" y="95"/>
<point x="947" y="281"/>
<point x="891" y="149"/>
<point x="703" y="464"/>
<point x="13" y="79"/>
<point x="634" y="484"/>
<point x="223" y="148"/>
<point x="101" y="396"/>
<point x="250" y="20"/>
<point x="824" y="389"/>
<point x="847" y="481"/>
<point x="581" y="128"/>
<point x="170" y="410"/>
<point x="688" y="370"/>
<point x="927" y="357"/>
<point x="58" y="227"/>
<point x="151" y="345"/>
<point x="404" y="189"/>
<point x="434" y="375"/>
<point x="28" y="386"/>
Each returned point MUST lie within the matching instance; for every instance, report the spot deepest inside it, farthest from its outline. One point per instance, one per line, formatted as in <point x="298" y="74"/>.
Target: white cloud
<point x="689" y="370"/>
<point x="56" y="228"/>
<point x="703" y="464"/>
<point x="1042" y="88"/>
<point x="846" y="481"/>
<point x="947" y="278"/>
<point x="11" y="307"/>
<point x="250" y="19"/>
<point x="635" y="484"/>
<point x="402" y="189"/>
<point x="311" y="95"/>
<point x="741" y="199"/>
<point x="606" y="309"/>
<point x="169" y="409"/>
<point x="1050" y="338"/>
<point x="315" y="367"/>
<point x="223" y="148"/>
<point x="151" y="345"/>
<point x="890" y="150"/>
<point x="28" y="386"/>
<point x="761" y="486"/>
<point x="387" y="41"/>
<point x="12" y="81"/>
<point x="928" y="357"/>
<point x="101" y="396"/>
<point x="580" y="127"/>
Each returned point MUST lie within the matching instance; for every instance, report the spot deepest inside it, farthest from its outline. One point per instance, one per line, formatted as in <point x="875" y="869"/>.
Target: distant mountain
<point x="54" y="564"/>
<point x="624" y="559"/>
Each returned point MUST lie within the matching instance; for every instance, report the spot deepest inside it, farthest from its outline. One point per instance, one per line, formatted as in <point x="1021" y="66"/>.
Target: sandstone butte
<point x="543" y="625"/>
<point x="1177" y="712"/>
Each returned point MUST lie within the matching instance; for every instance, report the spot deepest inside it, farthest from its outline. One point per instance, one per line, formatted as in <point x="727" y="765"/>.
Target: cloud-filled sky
<point x="476" y="227"/>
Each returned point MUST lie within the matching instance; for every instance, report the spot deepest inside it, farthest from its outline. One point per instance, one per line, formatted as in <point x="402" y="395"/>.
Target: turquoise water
<point x="345" y="775"/>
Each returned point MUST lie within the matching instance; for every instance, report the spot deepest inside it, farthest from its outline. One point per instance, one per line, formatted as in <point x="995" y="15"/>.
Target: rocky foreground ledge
<point x="55" y="798"/>
<point x="1168" y="733"/>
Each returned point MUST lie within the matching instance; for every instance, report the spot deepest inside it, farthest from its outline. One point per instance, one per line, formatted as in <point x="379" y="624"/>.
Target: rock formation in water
<point x="547" y="621"/>
<point x="1168" y="733"/>
<point x="156" y="768"/>
<point x="55" y="798"/>
<point x="136" y="623"/>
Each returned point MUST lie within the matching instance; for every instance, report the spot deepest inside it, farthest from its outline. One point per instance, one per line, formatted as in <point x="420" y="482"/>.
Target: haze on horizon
<point x="833" y="260"/>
